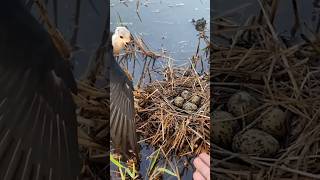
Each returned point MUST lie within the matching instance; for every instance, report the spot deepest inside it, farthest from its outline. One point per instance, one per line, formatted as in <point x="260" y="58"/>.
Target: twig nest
<point x="186" y="94"/>
<point x="188" y="106"/>
<point x="195" y="100"/>
<point x="241" y="103"/>
<point x="149" y="89"/>
<point x="273" y="122"/>
<point x="222" y="132"/>
<point x="255" y="142"/>
<point x="178" y="101"/>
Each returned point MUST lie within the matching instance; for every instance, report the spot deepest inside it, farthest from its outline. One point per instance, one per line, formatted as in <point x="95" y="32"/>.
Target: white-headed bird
<point x="122" y="124"/>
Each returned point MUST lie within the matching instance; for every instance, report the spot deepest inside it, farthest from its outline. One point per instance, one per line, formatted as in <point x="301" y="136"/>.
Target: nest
<point x="93" y="127"/>
<point x="277" y="74"/>
<point x="166" y="126"/>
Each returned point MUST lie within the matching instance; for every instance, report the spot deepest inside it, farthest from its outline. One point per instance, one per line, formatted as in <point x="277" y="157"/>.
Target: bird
<point x="120" y="39"/>
<point x="121" y="107"/>
<point x="122" y="124"/>
<point x="38" y="127"/>
<point x="38" y="122"/>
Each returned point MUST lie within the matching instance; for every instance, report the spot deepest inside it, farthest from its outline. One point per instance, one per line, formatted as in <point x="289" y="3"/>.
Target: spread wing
<point x="38" y="137"/>
<point x="122" y="124"/>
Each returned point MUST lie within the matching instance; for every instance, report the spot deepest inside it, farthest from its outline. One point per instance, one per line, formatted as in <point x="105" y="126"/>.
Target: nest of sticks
<point x="93" y="128"/>
<point x="278" y="74"/>
<point x="163" y="124"/>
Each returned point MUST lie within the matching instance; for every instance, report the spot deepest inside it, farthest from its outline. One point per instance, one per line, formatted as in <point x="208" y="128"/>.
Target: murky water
<point x="164" y="25"/>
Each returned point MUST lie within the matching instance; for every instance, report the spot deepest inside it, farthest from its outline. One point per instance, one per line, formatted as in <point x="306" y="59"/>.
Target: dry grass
<point x="162" y="124"/>
<point x="277" y="73"/>
<point x="92" y="130"/>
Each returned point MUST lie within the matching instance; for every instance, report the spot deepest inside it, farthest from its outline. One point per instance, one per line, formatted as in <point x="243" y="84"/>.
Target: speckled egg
<point x="195" y="100"/>
<point x="222" y="132"/>
<point x="273" y="122"/>
<point x="188" y="106"/>
<point x="178" y="101"/>
<point x="296" y="126"/>
<point x="241" y="103"/>
<point x="255" y="142"/>
<point x="186" y="94"/>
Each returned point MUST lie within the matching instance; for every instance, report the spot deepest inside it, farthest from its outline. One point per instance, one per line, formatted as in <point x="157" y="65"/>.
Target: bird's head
<point x="120" y="39"/>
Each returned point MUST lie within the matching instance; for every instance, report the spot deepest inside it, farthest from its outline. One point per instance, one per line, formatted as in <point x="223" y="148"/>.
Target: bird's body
<point x="122" y="114"/>
<point x="122" y="124"/>
<point x="38" y="128"/>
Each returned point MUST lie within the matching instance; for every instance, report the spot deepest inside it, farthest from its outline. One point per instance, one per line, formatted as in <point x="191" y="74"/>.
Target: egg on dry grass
<point x="186" y="94"/>
<point x="241" y="103"/>
<point x="188" y="106"/>
<point x="178" y="101"/>
<point x="273" y="122"/>
<point x="186" y="102"/>
<point x="195" y="100"/>
<point x="255" y="142"/>
<point x="222" y="132"/>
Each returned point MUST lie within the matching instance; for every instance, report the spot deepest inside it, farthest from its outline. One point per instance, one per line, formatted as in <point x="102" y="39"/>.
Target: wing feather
<point x="122" y="123"/>
<point x="38" y="128"/>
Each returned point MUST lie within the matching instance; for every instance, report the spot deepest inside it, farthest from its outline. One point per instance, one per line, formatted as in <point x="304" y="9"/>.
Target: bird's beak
<point x="126" y="44"/>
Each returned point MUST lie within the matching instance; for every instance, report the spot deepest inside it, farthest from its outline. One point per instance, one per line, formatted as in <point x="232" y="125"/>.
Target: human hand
<point x="202" y="165"/>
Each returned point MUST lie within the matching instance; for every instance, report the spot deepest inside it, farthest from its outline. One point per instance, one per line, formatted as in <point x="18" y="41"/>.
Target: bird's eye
<point x="121" y="37"/>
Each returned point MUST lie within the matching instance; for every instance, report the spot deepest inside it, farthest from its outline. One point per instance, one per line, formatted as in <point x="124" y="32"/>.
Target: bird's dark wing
<point x="38" y="135"/>
<point x="122" y="124"/>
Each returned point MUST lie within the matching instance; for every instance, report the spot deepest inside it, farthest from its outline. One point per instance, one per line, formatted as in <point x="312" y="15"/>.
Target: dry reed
<point x="277" y="73"/>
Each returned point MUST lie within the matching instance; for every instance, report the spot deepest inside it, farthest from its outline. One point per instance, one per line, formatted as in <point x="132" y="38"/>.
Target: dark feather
<point x="38" y="135"/>
<point x="122" y="123"/>
<point x="123" y="129"/>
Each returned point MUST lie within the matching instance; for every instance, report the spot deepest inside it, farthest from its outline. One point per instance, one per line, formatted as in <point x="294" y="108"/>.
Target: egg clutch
<point x="241" y="129"/>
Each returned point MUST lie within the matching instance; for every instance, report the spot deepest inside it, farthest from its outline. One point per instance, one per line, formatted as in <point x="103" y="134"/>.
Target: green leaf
<point x="114" y="161"/>
<point x="167" y="171"/>
<point x="120" y="166"/>
<point x="123" y="177"/>
<point x="154" y="160"/>
<point x="130" y="173"/>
